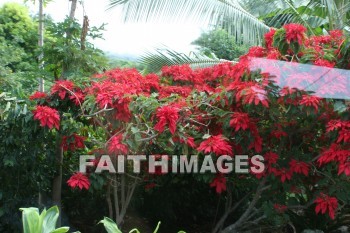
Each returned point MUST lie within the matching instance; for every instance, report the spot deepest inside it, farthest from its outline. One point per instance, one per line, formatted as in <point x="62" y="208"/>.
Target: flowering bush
<point x="229" y="109"/>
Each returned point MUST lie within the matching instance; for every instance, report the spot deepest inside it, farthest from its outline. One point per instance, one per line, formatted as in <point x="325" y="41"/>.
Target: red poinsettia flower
<point x="334" y="153"/>
<point x="79" y="180"/>
<point x="77" y="98"/>
<point x="335" y="125"/>
<point x="284" y="174"/>
<point x="326" y="203"/>
<point x="167" y="115"/>
<point x="295" y="32"/>
<point x="256" y="51"/>
<point x="344" y="136"/>
<point x="312" y="101"/>
<point x="269" y="38"/>
<point x="280" y="208"/>
<point x="217" y="144"/>
<point x="189" y="141"/>
<point x="299" y="167"/>
<point x="344" y="167"/>
<point x="38" y="95"/>
<point x="73" y="142"/>
<point x="47" y="116"/>
<point x="219" y="182"/>
<point x="240" y="120"/>
<point x="323" y="62"/>
<point x="62" y="87"/>
<point x="271" y="157"/>
<point x="115" y="145"/>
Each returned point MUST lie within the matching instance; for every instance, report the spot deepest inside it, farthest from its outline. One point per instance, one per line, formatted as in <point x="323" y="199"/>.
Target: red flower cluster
<point x="38" y="95"/>
<point x="115" y="145"/>
<point x="79" y="180"/>
<point x="325" y="204"/>
<point x="269" y="38"/>
<point x="295" y="32"/>
<point x="47" y="116"/>
<point x="219" y="182"/>
<point x="280" y="208"/>
<point x="62" y="88"/>
<point x="311" y="101"/>
<point x="239" y="121"/>
<point x="167" y="115"/>
<point x="299" y="167"/>
<point x="216" y="144"/>
<point x="73" y="142"/>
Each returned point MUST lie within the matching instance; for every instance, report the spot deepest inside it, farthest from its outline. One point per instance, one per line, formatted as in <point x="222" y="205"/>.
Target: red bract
<point x="344" y="136"/>
<point x="122" y="109"/>
<point x="325" y="204"/>
<point x="73" y="142"/>
<point x="344" y="167"/>
<point x="167" y="115"/>
<point x="62" y="87"/>
<point x="280" y="208"/>
<point x="216" y="144"/>
<point x="178" y="73"/>
<point x="323" y="62"/>
<point x="239" y="121"/>
<point x="284" y="174"/>
<point x="334" y="153"/>
<point x="77" y="97"/>
<point x="38" y="95"/>
<point x="256" y="51"/>
<point x="299" y="167"/>
<point x="115" y="145"/>
<point x="250" y="92"/>
<point x="311" y="101"/>
<point x="269" y="38"/>
<point x="47" y="116"/>
<point x="335" y="125"/>
<point x="219" y="182"/>
<point x="79" y="180"/>
<point x="271" y="157"/>
<point x="295" y="32"/>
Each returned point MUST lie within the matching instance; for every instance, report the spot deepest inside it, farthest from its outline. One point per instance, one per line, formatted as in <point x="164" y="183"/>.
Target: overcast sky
<point x="129" y="39"/>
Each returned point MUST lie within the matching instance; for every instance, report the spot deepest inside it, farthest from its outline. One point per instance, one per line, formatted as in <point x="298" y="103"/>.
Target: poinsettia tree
<point x="229" y="109"/>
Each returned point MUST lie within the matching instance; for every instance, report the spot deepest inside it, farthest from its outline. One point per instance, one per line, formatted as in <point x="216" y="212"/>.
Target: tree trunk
<point x="72" y="9"/>
<point x="68" y="34"/>
<point x="41" y="42"/>
<point x="57" y="182"/>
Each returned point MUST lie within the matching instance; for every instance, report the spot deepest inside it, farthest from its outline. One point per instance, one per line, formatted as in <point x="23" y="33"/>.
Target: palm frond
<point x="221" y="13"/>
<point x="154" y="61"/>
<point x="313" y="14"/>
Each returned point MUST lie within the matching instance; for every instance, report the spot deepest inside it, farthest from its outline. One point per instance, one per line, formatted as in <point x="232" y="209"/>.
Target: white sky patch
<point x="120" y="38"/>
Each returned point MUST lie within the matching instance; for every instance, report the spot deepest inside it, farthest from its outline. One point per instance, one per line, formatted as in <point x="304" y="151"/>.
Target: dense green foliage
<point x="221" y="44"/>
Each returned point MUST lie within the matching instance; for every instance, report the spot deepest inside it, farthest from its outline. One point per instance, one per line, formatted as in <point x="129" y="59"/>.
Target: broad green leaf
<point x="50" y="219"/>
<point x="110" y="225"/>
<point x="30" y="220"/>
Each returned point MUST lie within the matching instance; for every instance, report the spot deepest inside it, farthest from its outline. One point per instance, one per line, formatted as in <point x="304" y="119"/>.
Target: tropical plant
<point x="316" y="15"/>
<point x="44" y="222"/>
<point x="112" y="227"/>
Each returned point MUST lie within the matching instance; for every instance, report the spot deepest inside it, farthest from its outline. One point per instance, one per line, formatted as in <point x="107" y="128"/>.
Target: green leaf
<point x="50" y="219"/>
<point x="60" y="230"/>
<point x="110" y="225"/>
<point x="31" y="220"/>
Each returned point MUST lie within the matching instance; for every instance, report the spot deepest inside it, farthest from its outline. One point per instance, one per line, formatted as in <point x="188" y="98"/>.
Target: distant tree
<point x="17" y="37"/>
<point x="222" y="44"/>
